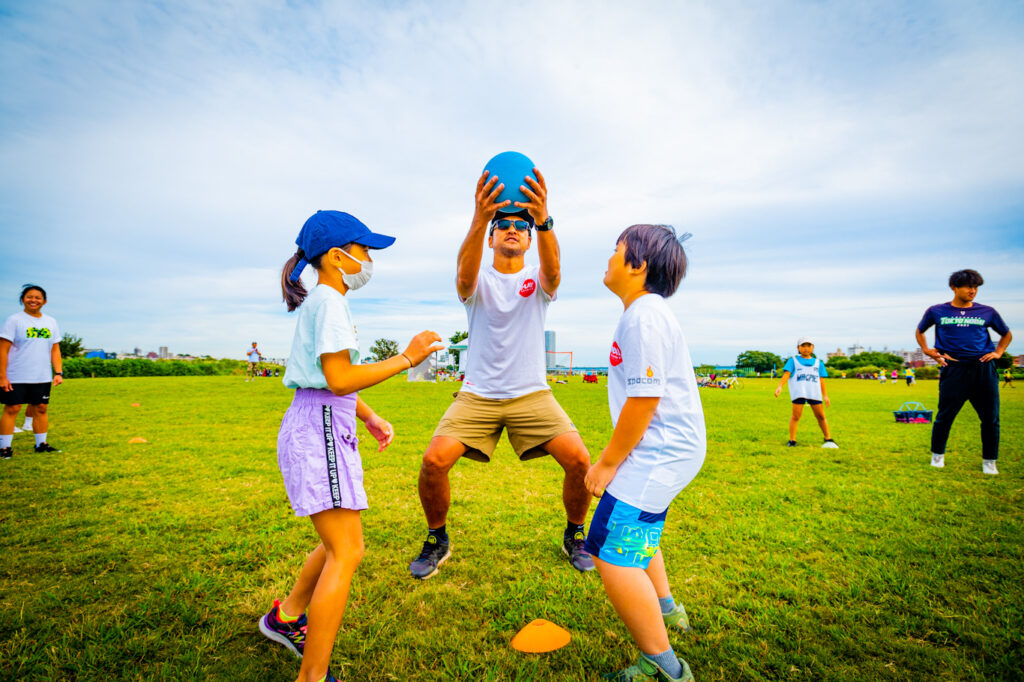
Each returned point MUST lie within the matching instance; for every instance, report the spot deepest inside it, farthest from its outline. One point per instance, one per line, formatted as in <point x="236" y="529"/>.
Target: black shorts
<point x="809" y="401"/>
<point x="26" y="394"/>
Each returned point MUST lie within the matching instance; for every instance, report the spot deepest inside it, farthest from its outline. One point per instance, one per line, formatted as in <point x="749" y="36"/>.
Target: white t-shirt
<point x="324" y="326"/>
<point x="32" y="338"/>
<point x="506" y="334"/>
<point x="649" y="358"/>
<point x="254" y="355"/>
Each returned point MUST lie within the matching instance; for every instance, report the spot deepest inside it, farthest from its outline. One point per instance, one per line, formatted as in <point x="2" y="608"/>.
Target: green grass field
<point x="154" y="561"/>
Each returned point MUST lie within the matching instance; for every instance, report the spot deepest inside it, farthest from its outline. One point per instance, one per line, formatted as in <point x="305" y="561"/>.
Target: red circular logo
<point x="529" y="286"/>
<point x="615" y="357"/>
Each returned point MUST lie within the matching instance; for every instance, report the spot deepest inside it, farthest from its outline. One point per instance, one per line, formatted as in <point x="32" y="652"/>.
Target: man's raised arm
<point x="547" y="243"/>
<point x="472" y="249"/>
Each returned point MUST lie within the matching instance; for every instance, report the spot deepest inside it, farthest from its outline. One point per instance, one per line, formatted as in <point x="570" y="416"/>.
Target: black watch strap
<point x="547" y="225"/>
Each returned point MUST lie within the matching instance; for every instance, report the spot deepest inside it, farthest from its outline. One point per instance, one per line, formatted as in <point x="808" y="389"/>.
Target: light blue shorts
<point x="623" y="535"/>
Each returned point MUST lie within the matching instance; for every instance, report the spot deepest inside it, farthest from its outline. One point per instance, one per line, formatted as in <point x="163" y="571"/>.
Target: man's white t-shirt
<point x="32" y="338"/>
<point x="324" y="326"/>
<point x="506" y="334"/>
<point x="649" y="358"/>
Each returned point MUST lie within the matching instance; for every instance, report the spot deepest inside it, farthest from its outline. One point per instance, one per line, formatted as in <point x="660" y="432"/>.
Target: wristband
<point x="60" y="374"/>
<point x="409" y="359"/>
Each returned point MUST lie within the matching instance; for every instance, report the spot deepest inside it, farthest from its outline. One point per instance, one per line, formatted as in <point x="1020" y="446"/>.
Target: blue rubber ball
<point x="511" y="168"/>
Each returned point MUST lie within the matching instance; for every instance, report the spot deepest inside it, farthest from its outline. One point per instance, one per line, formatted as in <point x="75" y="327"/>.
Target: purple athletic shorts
<point x="318" y="453"/>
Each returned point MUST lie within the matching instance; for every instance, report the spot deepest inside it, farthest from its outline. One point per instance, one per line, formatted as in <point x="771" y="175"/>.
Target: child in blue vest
<point x="806" y="375"/>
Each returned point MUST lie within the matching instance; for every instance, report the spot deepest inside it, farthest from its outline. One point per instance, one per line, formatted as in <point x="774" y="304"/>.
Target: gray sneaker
<point x="578" y="557"/>
<point x="433" y="555"/>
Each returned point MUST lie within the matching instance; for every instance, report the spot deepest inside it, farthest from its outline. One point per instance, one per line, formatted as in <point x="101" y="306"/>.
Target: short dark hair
<point x="662" y="249"/>
<point x="25" y="288"/>
<point x="966" y="278"/>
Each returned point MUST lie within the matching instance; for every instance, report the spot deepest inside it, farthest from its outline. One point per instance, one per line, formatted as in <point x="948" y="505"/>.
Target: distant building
<point x="838" y="354"/>
<point x="163" y="353"/>
<point x="549" y="348"/>
<point x="855" y="349"/>
<point x="137" y="352"/>
<point x="152" y="356"/>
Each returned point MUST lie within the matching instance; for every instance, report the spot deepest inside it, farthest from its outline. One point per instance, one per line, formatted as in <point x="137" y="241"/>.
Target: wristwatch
<point x="547" y="225"/>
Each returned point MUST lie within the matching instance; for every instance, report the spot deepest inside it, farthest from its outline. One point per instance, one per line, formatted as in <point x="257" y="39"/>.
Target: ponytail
<point x="292" y="291"/>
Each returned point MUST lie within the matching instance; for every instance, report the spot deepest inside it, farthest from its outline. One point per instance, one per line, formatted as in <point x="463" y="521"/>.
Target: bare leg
<point x="798" y="411"/>
<point x="435" y="491"/>
<point x="634" y="599"/>
<point x="41" y="420"/>
<point x="342" y="536"/>
<point x="302" y="592"/>
<point x="659" y="578"/>
<point x="7" y="420"/>
<point x="819" y="414"/>
<point x="570" y="452"/>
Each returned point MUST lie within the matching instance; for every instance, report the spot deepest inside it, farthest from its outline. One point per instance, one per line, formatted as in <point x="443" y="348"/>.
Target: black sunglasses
<point x="504" y="224"/>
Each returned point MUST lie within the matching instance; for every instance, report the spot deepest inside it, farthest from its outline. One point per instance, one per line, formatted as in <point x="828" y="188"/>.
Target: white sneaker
<point x="18" y="429"/>
<point x="829" y="444"/>
<point x="988" y="466"/>
<point x="938" y="461"/>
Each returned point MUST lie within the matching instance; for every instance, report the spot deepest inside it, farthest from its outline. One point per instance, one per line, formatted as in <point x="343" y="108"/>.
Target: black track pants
<point x="977" y="382"/>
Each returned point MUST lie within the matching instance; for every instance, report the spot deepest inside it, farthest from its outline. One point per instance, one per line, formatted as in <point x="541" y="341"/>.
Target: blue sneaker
<point x="580" y="558"/>
<point x="434" y="554"/>
<point x="292" y="635"/>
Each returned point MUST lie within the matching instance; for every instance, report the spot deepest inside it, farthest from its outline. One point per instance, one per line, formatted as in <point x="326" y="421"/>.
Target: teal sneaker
<point x="677" y="618"/>
<point x="646" y="670"/>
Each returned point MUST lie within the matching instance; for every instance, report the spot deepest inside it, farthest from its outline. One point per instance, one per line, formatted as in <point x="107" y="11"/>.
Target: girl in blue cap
<point x="317" y="446"/>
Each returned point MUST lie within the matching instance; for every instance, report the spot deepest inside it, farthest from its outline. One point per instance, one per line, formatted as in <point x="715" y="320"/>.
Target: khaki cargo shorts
<point x="532" y="420"/>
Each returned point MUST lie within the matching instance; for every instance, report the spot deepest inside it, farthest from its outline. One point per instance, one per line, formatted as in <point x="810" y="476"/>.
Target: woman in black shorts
<point x="29" y="345"/>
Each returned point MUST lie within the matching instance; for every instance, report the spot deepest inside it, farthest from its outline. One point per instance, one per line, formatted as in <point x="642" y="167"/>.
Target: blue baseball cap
<point x="325" y="230"/>
<point x="511" y="169"/>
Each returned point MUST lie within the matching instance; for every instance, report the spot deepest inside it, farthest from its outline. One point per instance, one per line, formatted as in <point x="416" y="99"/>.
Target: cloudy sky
<point x="834" y="161"/>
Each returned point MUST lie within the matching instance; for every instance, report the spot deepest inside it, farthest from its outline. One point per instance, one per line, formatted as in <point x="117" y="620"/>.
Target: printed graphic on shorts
<point x="332" y="458"/>
<point x="529" y="286"/>
<point x="37" y="333"/>
<point x="635" y="545"/>
<point x="615" y="357"/>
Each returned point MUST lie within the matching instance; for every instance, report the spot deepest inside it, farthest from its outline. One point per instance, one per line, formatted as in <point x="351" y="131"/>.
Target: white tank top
<point x="805" y="381"/>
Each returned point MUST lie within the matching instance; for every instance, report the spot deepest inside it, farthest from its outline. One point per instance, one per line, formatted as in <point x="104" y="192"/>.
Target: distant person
<point x="29" y="347"/>
<point x="316" y="446"/>
<point x="964" y="350"/>
<point x="908" y="374"/>
<point x="30" y="412"/>
<point x="505" y="386"/>
<point x="806" y="375"/>
<point x="895" y="376"/>
<point x="252" y="367"/>
<point x="881" y="376"/>
<point x="656" y="449"/>
<point x="1007" y="378"/>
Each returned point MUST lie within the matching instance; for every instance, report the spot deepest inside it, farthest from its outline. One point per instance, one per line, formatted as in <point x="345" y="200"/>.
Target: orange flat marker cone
<point x="135" y="404"/>
<point x="540" y="636"/>
<point x="137" y="439"/>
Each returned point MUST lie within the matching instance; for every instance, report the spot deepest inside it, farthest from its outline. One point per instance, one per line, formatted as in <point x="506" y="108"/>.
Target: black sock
<point x="440" y="533"/>
<point x="572" y="528"/>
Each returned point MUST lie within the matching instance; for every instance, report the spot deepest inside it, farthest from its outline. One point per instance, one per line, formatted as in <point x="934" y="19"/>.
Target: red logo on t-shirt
<point x="615" y="357"/>
<point x="529" y="286"/>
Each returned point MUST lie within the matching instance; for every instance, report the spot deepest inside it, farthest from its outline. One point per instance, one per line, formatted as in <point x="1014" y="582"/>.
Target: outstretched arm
<point x="547" y="243"/>
<point x="472" y="249"/>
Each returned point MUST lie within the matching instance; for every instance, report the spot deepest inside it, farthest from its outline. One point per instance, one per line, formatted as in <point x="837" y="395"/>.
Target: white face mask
<point x="359" y="279"/>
